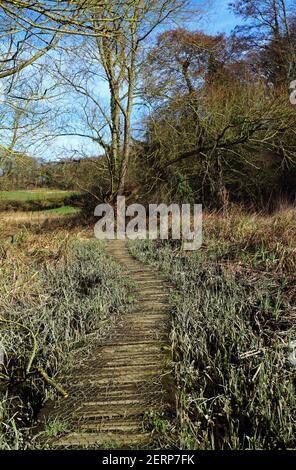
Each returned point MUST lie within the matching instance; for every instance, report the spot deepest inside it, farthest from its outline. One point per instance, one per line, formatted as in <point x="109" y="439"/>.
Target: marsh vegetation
<point x="233" y="330"/>
<point x="56" y="290"/>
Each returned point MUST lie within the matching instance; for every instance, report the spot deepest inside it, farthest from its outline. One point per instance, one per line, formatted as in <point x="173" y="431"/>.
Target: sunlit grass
<point x="64" y="210"/>
<point x="35" y="195"/>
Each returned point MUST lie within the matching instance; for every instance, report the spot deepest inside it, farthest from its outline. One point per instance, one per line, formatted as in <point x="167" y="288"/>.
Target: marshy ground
<point x="71" y="310"/>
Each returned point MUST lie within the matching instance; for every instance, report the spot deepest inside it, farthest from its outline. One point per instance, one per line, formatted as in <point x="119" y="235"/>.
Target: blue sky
<point x="221" y="20"/>
<point x="216" y="18"/>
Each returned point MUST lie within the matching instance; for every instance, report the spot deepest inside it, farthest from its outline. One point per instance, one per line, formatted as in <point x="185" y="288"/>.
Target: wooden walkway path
<point x="123" y="379"/>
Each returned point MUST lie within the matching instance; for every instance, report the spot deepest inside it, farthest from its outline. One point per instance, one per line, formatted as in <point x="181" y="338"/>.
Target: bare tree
<point x="268" y="32"/>
<point x="29" y="31"/>
<point x="114" y="59"/>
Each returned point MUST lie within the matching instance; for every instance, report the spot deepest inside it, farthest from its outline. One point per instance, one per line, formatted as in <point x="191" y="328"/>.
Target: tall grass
<point x="232" y="327"/>
<point x="49" y="307"/>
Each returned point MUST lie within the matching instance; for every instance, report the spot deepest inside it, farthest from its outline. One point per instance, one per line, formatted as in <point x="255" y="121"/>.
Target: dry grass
<point x="56" y="289"/>
<point x="234" y="323"/>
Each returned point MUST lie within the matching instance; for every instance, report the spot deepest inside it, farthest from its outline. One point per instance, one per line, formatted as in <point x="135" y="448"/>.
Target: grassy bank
<point x="56" y="289"/>
<point x="39" y="221"/>
<point x="233" y="327"/>
<point x="64" y="210"/>
<point x="36" y="200"/>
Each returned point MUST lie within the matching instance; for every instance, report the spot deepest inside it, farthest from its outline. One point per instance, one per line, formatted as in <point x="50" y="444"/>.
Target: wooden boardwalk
<point x="122" y="380"/>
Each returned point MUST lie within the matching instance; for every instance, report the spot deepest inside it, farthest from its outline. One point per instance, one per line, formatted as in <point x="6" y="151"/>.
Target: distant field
<point x="35" y="195"/>
<point x="39" y="200"/>
<point x="64" y="210"/>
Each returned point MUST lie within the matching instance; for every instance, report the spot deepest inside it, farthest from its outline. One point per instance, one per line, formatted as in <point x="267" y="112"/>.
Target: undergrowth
<point x="233" y="325"/>
<point x="55" y="291"/>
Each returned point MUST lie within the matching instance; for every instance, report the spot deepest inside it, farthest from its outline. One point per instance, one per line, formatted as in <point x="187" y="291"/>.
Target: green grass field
<point x="35" y="195"/>
<point x="53" y="201"/>
<point x="65" y="210"/>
